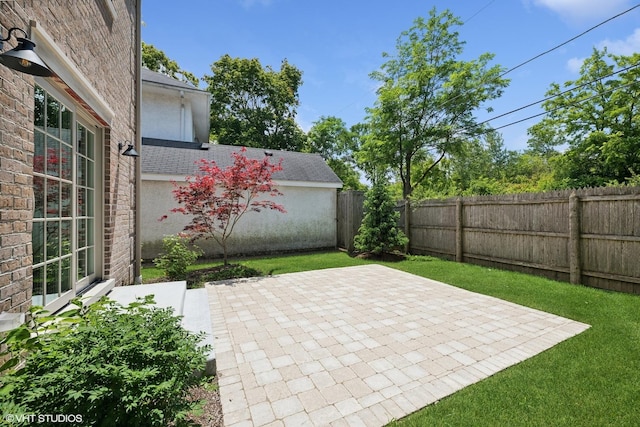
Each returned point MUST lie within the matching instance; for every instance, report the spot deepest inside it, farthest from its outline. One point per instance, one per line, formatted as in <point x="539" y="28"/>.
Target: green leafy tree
<point x="597" y="118"/>
<point x="330" y="138"/>
<point x="254" y="106"/>
<point x="379" y="232"/>
<point x="156" y="60"/>
<point x="427" y="98"/>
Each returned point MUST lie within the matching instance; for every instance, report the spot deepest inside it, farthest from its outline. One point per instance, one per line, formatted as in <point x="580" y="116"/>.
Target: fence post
<point x="459" y="231"/>
<point x="575" y="262"/>
<point x="407" y="224"/>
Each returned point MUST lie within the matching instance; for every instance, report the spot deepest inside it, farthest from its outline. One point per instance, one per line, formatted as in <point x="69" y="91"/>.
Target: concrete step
<point x="197" y="318"/>
<point x="191" y="304"/>
<point x="165" y="295"/>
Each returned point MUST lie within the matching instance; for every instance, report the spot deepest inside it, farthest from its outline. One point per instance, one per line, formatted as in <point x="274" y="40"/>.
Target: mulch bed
<point x="211" y="413"/>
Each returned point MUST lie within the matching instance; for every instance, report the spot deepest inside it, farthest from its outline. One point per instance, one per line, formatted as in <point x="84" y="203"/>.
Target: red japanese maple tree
<point x="217" y="198"/>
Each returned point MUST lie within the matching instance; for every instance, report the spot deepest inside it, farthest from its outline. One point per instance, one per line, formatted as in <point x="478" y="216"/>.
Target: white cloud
<point x="626" y="47"/>
<point x="574" y="64"/>
<point x="584" y="10"/>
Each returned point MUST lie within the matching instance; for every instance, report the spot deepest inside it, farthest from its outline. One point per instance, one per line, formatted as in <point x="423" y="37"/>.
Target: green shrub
<point x="379" y="232"/>
<point x="176" y="257"/>
<point x="111" y="365"/>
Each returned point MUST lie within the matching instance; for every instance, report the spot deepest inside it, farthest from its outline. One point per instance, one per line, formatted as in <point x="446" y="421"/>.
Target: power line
<point x="570" y="40"/>
<point x="551" y="50"/>
<point x="564" y="106"/>
<point x="559" y="94"/>
<point x="479" y="11"/>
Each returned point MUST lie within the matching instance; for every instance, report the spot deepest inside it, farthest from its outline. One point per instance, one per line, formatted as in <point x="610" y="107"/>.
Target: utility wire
<point x="551" y="50"/>
<point x="559" y="94"/>
<point x="479" y="11"/>
<point x="570" y="40"/>
<point x="564" y="106"/>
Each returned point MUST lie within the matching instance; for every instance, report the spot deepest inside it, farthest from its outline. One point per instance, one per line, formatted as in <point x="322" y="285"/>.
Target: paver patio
<point x="361" y="346"/>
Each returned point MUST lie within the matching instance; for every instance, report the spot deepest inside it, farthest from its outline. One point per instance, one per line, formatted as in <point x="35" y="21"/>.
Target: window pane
<point x="66" y="162"/>
<point x="65" y="237"/>
<point x="90" y="232"/>
<point x="82" y="233"/>
<point x="82" y="202"/>
<point x="38" y="196"/>
<point x="67" y="119"/>
<point x="37" y="239"/>
<point x="82" y="171"/>
<point x="53" y="116"/>
<point x="53" y="240"/>
<point x="91" y="268"/>
<point x="38" y="286"/>
<point x="82" y="264"/>
<point x="90" y="145"/>
<point x="53" y="279"/>
<point x="82" y="140"/>
<point x="65" y="274"/>
<point x="38" y="113"/>
<point x="65" y="201"/>
<point x="38" y="154"/>
<point x="90" y="203"/>
<point x="53" y="198"/>
<point x="53" y="157"/>
<point x="90" y="174"/>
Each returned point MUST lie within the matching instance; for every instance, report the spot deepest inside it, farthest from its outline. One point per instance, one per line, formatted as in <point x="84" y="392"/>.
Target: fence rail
<point x="589" y="236"/>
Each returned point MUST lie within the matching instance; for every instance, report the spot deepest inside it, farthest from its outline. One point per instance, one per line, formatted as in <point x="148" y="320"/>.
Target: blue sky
<point x="338" y="43"/>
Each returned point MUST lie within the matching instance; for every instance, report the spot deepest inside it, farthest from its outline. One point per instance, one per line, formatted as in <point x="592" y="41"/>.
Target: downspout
<point x="183" y="125"/>
<point x="137" y="268"/>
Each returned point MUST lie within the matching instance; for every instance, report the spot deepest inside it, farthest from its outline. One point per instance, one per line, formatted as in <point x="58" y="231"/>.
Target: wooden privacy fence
<point x="589" y="236"/>
<point x="350" y="213"/>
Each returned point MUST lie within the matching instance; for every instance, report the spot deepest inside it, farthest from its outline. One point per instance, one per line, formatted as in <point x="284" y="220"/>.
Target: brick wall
<point x="103" y="49"/>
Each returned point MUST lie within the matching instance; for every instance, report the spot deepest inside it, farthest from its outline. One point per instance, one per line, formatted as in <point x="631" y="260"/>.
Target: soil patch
<point x="384" y="256"/>
<point x="197" y="278"/>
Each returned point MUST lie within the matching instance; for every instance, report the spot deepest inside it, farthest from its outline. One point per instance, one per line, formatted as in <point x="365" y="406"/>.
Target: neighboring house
<point x="173" y="110"/>
<point x="175" y="131"/>
<point x="68" y="218"/>
<point x="308" y="184"/>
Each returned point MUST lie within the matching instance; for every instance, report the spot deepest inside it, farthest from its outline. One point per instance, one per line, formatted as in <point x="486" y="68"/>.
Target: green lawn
<point x="592" y="379"/>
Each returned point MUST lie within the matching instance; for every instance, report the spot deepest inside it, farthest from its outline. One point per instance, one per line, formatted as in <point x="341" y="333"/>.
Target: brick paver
<point x="361" y="345"/>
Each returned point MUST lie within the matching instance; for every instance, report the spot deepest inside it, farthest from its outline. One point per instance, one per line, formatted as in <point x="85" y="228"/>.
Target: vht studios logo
<point x="42" y="418"/>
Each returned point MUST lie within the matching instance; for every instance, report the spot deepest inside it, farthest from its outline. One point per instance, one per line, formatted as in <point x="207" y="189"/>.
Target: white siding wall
<point x="310" y="222"/>
<point x="166" y="116"/>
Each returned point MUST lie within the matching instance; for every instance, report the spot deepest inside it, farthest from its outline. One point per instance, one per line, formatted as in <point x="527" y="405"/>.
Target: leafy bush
<point x="379" y="230"/>
<point x="176" y="257"/>
<point x="110" y="364"/>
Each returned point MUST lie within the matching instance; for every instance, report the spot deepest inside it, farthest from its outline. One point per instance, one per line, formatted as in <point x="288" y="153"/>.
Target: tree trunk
<point x="224" y="253"/>
<point x="406" y="184"/>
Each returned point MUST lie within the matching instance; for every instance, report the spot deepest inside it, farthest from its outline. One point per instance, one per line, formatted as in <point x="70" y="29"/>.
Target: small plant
<point x="110" y="365"/>
<point x="176" y="257"/>
<point x="379" y="232"/>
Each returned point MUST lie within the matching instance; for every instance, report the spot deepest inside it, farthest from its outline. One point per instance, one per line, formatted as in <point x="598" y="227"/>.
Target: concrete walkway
<point x="361" y="346"/>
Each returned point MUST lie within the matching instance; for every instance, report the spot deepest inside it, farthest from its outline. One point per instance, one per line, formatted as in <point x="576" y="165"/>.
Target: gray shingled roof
<point x="178" y="158"/>
<point x="158" y="78"/>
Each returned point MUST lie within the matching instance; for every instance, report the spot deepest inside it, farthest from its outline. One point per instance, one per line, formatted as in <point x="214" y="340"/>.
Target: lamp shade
<point x="23" y="58"/>
<point x="130" y="151"/>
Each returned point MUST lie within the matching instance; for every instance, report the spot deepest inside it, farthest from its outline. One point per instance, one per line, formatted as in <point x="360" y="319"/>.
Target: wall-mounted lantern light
<point x="23" y="58"/>
<point x="130" y="151"/>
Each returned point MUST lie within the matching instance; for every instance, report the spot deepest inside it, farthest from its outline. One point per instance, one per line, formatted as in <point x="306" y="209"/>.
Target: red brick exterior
<point x="103" y="49"/>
